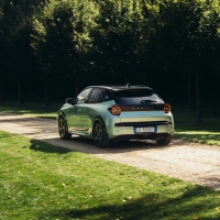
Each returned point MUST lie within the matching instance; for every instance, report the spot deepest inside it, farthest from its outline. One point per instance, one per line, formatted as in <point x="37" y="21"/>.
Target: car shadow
<point x="88" y="146"/>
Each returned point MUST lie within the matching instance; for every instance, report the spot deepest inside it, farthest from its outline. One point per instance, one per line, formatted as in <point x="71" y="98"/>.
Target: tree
<point x="16" y="17"/>
<point x="184" y="39"/>
<point x="61" y="38"/>
<point x="119" y="39"/>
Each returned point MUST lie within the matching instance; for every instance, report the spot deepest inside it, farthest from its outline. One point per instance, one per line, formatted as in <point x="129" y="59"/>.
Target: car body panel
<point x="72" y="117"/>
<point x="140" y="116"/>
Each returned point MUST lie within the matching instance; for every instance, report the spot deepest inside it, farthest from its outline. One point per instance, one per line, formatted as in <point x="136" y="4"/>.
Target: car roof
<point x="120" y="87"/>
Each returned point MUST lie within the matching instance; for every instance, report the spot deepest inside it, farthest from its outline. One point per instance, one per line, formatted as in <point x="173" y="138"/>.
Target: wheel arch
<point x="61" y="113"/>
<point x="99" y="119"/>
<point x="104" y="140"/>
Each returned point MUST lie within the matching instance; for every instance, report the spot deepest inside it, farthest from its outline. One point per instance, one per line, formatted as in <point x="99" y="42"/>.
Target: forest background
<point x="51" y="49"/>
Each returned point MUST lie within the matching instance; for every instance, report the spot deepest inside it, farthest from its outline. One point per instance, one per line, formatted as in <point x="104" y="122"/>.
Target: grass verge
<point x="32" y="109"/>
<point x="207" y="132"/>
<point x="41" y="181"/>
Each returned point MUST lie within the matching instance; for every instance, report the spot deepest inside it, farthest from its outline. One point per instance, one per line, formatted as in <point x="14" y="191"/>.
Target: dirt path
<point x="187" y="161"/>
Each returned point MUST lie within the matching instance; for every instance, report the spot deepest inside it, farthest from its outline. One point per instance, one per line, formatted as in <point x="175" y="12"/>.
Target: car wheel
<point x="100" y="136"/>
<point x="164" y="141"/>
<point x="62" y="128"/>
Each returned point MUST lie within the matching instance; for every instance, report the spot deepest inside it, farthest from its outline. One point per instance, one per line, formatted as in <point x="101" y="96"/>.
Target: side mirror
<point x="70" y="101"/>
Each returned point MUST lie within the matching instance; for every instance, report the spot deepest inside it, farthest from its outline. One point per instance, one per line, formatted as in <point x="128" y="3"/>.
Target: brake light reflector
<point x="115" y="110"/>
<point x="167" y="108"/>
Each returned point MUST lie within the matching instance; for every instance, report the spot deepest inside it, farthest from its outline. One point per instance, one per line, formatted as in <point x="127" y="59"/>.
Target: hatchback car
<point x="113" y="113"/>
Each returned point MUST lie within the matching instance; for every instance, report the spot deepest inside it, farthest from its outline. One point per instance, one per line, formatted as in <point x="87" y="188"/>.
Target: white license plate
<point x="144" y="129"/>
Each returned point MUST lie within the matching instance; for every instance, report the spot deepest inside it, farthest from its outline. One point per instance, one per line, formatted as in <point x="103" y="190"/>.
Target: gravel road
<point x="196" y="163"/>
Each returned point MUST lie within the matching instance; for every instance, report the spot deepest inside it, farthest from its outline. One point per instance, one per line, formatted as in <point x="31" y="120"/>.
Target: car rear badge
<point x="141" y="108"/>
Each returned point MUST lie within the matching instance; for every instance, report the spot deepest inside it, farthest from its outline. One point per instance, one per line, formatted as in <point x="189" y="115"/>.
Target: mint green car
<point x="114" y="113"/>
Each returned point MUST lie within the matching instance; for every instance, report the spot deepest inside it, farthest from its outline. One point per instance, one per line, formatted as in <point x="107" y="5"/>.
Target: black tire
<point x="165" y="141"/>
<point x="100" y="136"/>
<point x="62" y="128"/>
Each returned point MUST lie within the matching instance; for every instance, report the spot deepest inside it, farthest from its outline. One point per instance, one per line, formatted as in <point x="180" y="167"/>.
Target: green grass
<point x="40" y="181"/>
<point x="32" y="109"/>
<point x="207" y="132"/>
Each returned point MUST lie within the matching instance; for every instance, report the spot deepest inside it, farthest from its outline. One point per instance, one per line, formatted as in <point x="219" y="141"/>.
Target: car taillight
<point x="167" y="108"/>
<point x="115" y="110"/>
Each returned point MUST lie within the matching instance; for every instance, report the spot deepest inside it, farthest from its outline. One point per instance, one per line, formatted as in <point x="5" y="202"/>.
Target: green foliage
<point x="62" y="37"/>
<point x="16" y="55"/>
<point x="41" y="181"/>
<point x="68" y="44"/>
<point x="120" y="37"/>
<point x="186" y="32"/>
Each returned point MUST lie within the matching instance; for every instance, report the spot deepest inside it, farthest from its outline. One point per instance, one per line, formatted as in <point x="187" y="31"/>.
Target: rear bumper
<point x="122" y="126"/>
<point x="150" y="136"/>
<point x="126" y="130"/>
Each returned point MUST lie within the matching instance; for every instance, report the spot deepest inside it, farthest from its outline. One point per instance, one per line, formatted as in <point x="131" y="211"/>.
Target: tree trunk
<point x="46" y="86"/>
<point x="76" y="83"/>
<point x="99" y="77"/>
<point x="198" y="102"/>
<point x="144" y="78"/>
<point x="77" y="74"/>
<point x="30" y="90"/>
<point x="20" y="98"/>
<point x="188" y="90"/>
<point x="125" y="80"/>
<point x="1" y="94"/>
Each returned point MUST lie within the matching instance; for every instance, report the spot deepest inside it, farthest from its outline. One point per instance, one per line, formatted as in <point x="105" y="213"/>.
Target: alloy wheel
<point x="61" y="127"/>
<point x="98" y="134"/>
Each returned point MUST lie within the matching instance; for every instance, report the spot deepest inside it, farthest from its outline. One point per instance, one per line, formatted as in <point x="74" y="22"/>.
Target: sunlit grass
<point x="212" y="138"/>
<point x="207" y="132"/>
<point x="41" y="181"/>
<point x="32" y="109"/>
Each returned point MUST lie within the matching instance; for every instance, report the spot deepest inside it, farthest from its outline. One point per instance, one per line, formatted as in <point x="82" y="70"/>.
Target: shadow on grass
<point x="48" y="148"/>
<point x="213" y="182"/>
<point x="150" y="206"/>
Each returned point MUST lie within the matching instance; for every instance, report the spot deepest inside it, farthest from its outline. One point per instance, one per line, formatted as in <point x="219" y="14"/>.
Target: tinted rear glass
<point x="133" y="93"/>
<point x="136" y="97"/>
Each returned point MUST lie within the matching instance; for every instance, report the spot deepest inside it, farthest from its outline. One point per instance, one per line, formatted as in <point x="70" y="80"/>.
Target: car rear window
<point x="136" y="97"/>
<point x="134" y="93"/>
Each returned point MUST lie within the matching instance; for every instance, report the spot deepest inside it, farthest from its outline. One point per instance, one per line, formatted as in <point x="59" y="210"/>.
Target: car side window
<point x="83" y="95"/>
<point x="95" y="94"/>
<point x="106" y="96"/>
